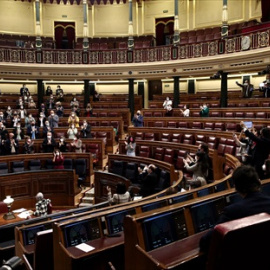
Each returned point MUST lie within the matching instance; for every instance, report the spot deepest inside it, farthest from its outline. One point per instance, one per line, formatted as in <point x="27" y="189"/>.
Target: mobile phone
<point x="248" y="124"/>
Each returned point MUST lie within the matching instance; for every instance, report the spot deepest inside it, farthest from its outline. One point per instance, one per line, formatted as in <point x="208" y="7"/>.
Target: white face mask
<point x="245" y="83"/>
<point x="57" y="153"/>
<point x="72" y="126"/>
<point x="263" y="167"/>
<point x="49" y="137"/>
<point x="61" y="140"/>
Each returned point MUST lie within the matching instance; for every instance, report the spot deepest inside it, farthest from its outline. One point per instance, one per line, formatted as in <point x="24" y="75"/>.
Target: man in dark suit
<point x="48" y="143"/>
<point x="24" y="91"/>
<point x="262" y="148"/>
<point x="148" y="180"/>
<point x="86" y="130"/>
<point x="247" y="184"/>
<point x="247" y="88"/>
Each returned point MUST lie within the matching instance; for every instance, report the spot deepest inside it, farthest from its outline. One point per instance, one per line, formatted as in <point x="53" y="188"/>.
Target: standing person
<point x="47" y="129"/>
<point x="130" y="146"/>
<point x="77" y="145"/>
<point x="33" y="131"/>
<point x="121" y="195"/>
<point x="86" y="130"/>
<point x="186" y="111"/>
<point x="148" y="180"/>
<point x="62" y="145"/>
<point x="59" y="109"/>
<point x="138" y="119"/>
<point x="24" y="91"/>
<point x="167" y="103"/>
<point x="41" y="205"/>
<point x="48" y="143"/>
<point x="58" y="159"/>
<point x="199" y="170"/>
<point x="28" y="146"/>
<point x="11" y="145"/>
<point x="72" y="131"/>
<point x="248" y="185"/>
<point x="50" y="103"/>
<point x="28" y="120"/>
<point x="18" y="131"/>
<point x="261" y="150"/>
<point x="204" y="110"/>
<point x="49" y="91"/>
<point x="53" y="119"/>
<point x="247" y="88"/>
<point x="41" y="120"/>
<point x="73" y="119"/>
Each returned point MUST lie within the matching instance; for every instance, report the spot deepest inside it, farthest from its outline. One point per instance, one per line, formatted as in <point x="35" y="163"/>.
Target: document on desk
<point x="19" y="210"/>
<point x="24" y="214"/>
<point x="84" y="247"/>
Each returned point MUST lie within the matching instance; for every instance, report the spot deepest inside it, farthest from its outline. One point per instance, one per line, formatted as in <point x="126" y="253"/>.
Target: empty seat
<point x="131" y="171"/>
<point x="144" y="151"/>
<point x="18" y="166"/>
<point x="164" y="181"/>
<point x="249" y="115"/>
<point x="157" y="114"/>
<point x="199" y="139"/>
<point x="34" y="164"/>
<point x="159" y="124"/>
<point x="3" y="168"/>
<point x="159" y="152"/>
<point x="183" y="125"/>
<point x="176" y="138"/>
<point x="196" y="125"/>
<point x="147" y="114"/>
<point x="149" y="136"/>
<point x="209" y="126"/>
<point x="139" y="136"/>
<point x="68" y="164"/>
<point x="165" y="137"/>
<point x="231" y="127"/>
<point x="228" y="114"/>
<point x="49" y="164"/>
<point x="80" y="166"/>
<point x="219" y="126"/>
<point x="188" y="138"/>
<point x="169" y="156"/>
<point x="214" y="114"/>
<point x="118" y="167"/>
<point x="172" y="124"/>
<point x="212" y="142"/>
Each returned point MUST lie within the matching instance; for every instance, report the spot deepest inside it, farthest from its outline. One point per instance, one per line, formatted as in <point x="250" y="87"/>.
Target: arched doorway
<point x="64" y="34"/>
<point x="164" y="31"/>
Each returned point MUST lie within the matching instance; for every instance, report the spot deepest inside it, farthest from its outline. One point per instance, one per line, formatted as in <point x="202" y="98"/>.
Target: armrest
<point x="26" y="263"/>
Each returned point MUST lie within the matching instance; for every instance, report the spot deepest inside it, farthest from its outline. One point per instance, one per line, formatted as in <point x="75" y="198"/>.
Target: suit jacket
<point x="260" y="153"/>
<point x="86" y="133"/>
<point x="253" y="203"/>
<point x="48" y="148"/>
<point x="148" y="184"/>
<point x="246" y="89"/>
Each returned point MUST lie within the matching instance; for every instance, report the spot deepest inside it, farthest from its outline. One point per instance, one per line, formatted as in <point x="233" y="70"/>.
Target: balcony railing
<point x="259" y="39"/>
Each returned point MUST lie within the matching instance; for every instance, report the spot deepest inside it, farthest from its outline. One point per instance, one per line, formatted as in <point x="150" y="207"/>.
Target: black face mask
<point x="138" y="114"/>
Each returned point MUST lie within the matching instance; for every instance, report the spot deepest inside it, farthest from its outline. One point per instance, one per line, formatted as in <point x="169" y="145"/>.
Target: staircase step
<point x="85" y="204"/>
<point x="88" y="200"/>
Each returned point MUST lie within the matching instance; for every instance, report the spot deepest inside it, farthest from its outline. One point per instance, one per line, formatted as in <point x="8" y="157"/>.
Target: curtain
<point x="64" y="33"/>
<point x="164" y="29"/>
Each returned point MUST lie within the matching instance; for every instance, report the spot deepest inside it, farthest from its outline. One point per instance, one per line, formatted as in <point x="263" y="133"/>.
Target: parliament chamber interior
<point x="105" y="63"/>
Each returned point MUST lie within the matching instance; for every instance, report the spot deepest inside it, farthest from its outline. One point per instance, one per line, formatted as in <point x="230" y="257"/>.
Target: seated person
<point x="41" y="205"/>
<point x="248" y="185"/>
<point x="148" y="180"/>
<point x="121" y="195"/>
<point x="58" y="159"/>
<point x="199" y="170"/>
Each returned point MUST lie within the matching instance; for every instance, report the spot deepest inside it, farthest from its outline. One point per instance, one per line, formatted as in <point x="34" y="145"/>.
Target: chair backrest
<point x="3" y="208"/>
<point x="18" y="166"/>
<point x="68" y="163"/>
<point x="118" y="167"/>
<point x="80" y="167"/>
<point x="131" y="171"/>
<point x="3" y="168"/>
<point x="43" y="255"/>
<point x="240" y="244"/>
<point x="34" y="164"/>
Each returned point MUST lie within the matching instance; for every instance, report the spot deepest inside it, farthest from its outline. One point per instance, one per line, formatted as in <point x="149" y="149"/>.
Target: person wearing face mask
<point x="8" y="113"/>
<point x="33" y="131"/>
<point x="47" y="129"/>
<point x="18" y="132"/>
<point x="130" y="146"/>
<point x="74" y="102"/>
<point x="12" y="145"/>
<point x="77" y="145"/>
<point x="19" y="103"/>
<point x="48" y="143"/>
<point x="22" y="112"/>
<point x="72" y="131"/>
<point x="88" y="110"/>
<point x="199" y="170"/>
<point x="53" y="119"/>
<point x="59" y="109"/>
<point x="73" y="119"/>
<point x="266" y="169"/>
<point x="50" y="103"/>
<point x="3" y="131"/>
<point x="41" y="120"/>
<point x="167" y="104"/>
<point x="86" y="130"/>
<point x="138" y="119"/>
<point x="62" y="145"/>
<point x="204" y="111"/>
<point x="43" y="109"/>
<point x="58" y="159"/>
<point x="2" y="117"/>
<point x="28" y="146"/>
<point x="28" y="120"/>
<point x="49" y="91"/>
<point x="247" y="88"/>
<point x="16" y="119"/>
